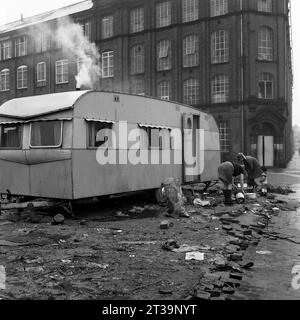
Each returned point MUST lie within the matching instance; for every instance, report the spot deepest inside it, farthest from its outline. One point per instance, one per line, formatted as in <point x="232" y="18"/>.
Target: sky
<point x="11" y="10"/>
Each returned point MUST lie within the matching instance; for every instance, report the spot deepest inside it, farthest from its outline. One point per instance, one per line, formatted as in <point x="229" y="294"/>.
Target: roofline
<point x="101" y="91"/>
<point x="43" y="113"/>
<point x="24" y="25"/>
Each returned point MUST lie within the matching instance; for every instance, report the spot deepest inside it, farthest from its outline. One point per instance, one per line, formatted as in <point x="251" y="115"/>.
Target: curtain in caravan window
<point x="10" y="136"/>
<point x="46" y="134"/>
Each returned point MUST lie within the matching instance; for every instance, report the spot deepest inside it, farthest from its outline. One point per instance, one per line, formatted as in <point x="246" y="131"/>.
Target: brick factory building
<point x="231" y="58"/>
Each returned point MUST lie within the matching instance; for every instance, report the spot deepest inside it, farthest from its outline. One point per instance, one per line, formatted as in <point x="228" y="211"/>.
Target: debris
<point x="137" y="242"/>
<point x="220" y="261"/>
<point x="9" y="243"/>
<point x="4" y="223"/>
<point x="227" y="228"/>
<point x="275" y="211"/>
<point x="165" y="290"/>
<point x="66" y="261"/>
<point x="121" y="214"/>
<point x="235" y="276"/>
<point x="166" y="224"/>
<point x="264" y="252"/>
<point x="170" y="244"/>
<point x="58" y="219"/>
<point x="202" y="295"/>
<point x="248" y="265"/>
<point x="136" y="209"/>
<point x="186" y="248"/>
<point x="236" y="257"/>
<point x="172" y="190"/>
<point x="37" y="260"/>
<point x="201" y="203"/>
<point x="196" y="255"/>
<point x="34" y="269"/>
<point x="83" y="222"/>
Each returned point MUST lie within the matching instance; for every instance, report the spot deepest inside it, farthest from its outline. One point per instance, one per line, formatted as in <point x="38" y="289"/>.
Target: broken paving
<point x="139" y="252"/>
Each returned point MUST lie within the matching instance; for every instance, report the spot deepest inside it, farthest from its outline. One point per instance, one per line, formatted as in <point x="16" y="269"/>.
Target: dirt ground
<point x="118" y="251"/>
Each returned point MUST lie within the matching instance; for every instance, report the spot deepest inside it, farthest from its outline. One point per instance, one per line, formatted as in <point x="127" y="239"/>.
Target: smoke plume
<point x="76" y="44"/>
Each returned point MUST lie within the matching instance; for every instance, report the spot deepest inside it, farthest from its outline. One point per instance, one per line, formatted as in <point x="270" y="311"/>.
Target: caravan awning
<point x="154" y="126"/>
<point x="99" y="120"/>
<point x="35" y="120"/>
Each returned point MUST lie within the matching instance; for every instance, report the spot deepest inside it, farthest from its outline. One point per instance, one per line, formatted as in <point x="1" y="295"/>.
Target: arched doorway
<point x="264" y="134"/>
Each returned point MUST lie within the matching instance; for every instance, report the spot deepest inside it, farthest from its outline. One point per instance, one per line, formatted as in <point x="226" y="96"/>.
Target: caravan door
<point x="191" y="147"/>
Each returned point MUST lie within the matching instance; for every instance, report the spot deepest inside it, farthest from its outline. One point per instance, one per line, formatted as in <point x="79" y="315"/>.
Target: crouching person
<point x="253" y="169"/>
<point x="227" y="172"/>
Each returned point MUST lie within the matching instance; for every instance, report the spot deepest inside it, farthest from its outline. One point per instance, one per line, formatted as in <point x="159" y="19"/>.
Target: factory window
<point x="107" y="64"/>
<point x="46" y="134"/>
<point x="10" y="135"/>
<point x="218" y="7"/>
<point x="191" y="91"/>
<point x="41" y="73"/>
<point x="62" y="71"/>
<point x="224" y="136"/>
<point x="164" y="90"/>
<point x="21" y="46"/>
<point x="219" y="47"/>
<point x="191" y="51"/>
<point x="86" y="29"/>
<point x="99" y="133"/>
<point x="164" y="55"/>
<point x="190" y="10"/>
<point x="4" y="80"/>
<point x="265" y="44"/>
<point x="42" y="42"/>
<point x="163" y="14"/>
<point x="139" y="88"/>
<point x="107" y="27"/>
<point x="5" y="50"/>
<point x="220" y="89"/>
<point x="137" y="20"/>
<point x="22" y="77"/>
<point x="137" y="59"/>
<point x="265" y="86"/>
<point x="264" y="5"/>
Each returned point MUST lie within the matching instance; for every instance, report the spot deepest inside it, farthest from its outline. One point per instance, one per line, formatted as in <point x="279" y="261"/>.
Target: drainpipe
<point x="242" y="74"/>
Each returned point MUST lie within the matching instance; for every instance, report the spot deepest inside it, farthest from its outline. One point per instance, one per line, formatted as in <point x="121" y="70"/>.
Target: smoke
<point x="77" y="45"/>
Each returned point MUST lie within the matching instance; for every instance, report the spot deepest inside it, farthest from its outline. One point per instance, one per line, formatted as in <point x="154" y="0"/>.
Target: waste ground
<point x="133" y="249"/>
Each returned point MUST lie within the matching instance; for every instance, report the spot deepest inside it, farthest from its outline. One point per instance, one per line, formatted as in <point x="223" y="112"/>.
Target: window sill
<point x="219" y="63"/>
<point x="40" y="84"/>
<point x="265" y="60"/>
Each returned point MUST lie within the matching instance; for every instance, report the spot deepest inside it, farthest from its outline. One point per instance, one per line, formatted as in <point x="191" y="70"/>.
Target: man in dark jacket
<point x="253" y="169"/>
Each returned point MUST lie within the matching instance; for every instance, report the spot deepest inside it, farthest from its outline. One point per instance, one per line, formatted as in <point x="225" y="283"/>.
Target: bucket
<point x="240" y="198"/>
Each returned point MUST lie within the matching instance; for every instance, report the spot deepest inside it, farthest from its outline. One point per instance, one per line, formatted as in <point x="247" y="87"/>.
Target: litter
<point x="121" y="214"/>
<point x="199" y="256"/>
<point x="264" y="252"/>
<point x="67" y="261"/>
<point x="201" y="203"/>
<point x="170" y="244"/>
<point x="186" y="248"/>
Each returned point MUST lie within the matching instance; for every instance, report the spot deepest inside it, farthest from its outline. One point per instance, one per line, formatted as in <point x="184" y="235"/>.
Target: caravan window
<point x="99" y="133"/>
<point x="46" y="134"/>
<point x="10" y="136"/>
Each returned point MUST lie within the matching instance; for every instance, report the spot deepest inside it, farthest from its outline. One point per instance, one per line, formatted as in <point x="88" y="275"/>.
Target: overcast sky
<point x="11" y="10"/>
